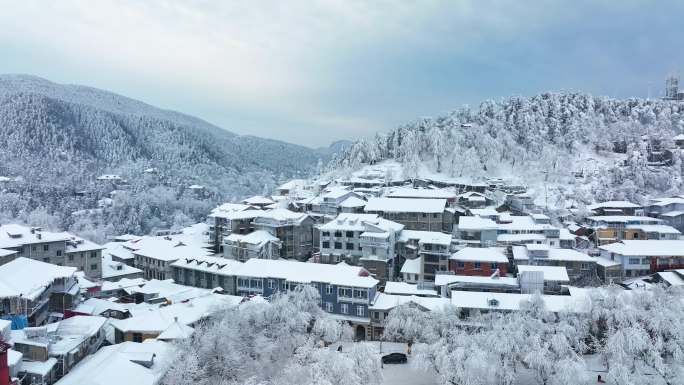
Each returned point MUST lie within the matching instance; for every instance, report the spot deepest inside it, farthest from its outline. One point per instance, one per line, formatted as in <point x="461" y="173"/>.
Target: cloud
<point x="315" y="71"/>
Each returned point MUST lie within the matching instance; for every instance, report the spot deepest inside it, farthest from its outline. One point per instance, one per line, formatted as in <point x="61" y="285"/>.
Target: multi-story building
<point x="154" y="255"/>
<point x="578" y="265"/>
<point x="670" y="210"/>
<point x="62" y="249"/>
<point x="414" y="214"/>
<point x="504" y="229"/>
<point x="257" y="244"/>
<point x="484" y="261"/>
<point x="32" y="289"/>
<point x="433" y="249"/>
<point x="361" y="239"/>
<point x="230" y="218"/>
<point x="643" y="257"/>
<point x="332" y="198"/>
<point x="346" y="291"/>
<point x="384" y="303"/>
<point x="611" y="228"/>
<point x="293" y="230"/>
<point x="522" y="203"/>
<point x="615" y="208"/>
<point x="207" y="272"/>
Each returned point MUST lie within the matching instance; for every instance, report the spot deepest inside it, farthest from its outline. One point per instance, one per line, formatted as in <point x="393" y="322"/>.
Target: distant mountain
<point x="573" y="145"/>
<point x="336" y="147"/>
<point x="58" y="138"/>
<point x="86" y="131"/>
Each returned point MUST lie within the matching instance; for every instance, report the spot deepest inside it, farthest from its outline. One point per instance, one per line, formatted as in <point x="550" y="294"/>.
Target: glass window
<point x="325" y="245"/>
<point x="460" y="264"/>
<point x="350" y="246"/>
<point x="46" y="247"/>
<point x="329" y="307"/>
<point x="350" y="234"/>
<point x="477" y="265"/>
<point x="344" y="308"/>
<point x="329" y="289"/>
<point x="93" y="266"/>
<point x="59" y="253"/>
<point x="493" y="266"/>
<point x="326" y="233"/>
<point x="360" y="311"/>
<point x="338" y="245"/>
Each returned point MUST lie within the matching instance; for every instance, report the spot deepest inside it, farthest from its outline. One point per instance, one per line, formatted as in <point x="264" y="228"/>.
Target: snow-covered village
<point x="388" y="194"/>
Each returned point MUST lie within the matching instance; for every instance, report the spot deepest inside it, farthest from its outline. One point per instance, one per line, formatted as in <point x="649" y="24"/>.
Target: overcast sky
<point x="318" y="71"/>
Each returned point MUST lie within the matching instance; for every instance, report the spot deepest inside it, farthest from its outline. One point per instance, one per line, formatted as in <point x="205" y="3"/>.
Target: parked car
<point x="394" y="358"/>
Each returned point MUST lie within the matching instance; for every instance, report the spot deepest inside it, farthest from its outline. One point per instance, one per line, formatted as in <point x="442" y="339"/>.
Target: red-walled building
<point x="478" y="261"/>
<point x="4" y="365"/>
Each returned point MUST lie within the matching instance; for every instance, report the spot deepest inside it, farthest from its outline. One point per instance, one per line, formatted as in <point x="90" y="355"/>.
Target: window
<point x="350" y="234"/>
<point x="338" y="245"/>
<point x="71" y="257"/>
<point x="435" y="215"/>
<point x="360" y="311"/>
<point x="328" y="289"/>
<point x="93" y="254"/>
<point x="46" y="247"/>
<point x="344" y="308"/>
<point x="427" y="246"/>
<point x="93" y="266"/>
<point x="424" y="215"/>
<point x="137" y="337"/>
<point x="361" y="294"/>
<point x="33" y="248"/>
<point x="644" y="261"/>
<point x="493" y="266"/>
<point x="350" y="246"/>
<point x="271" y="284"/>
<point x="326" y="233"/>
<point x="634" y="261"/>
<point x="376" y="315"/>
<point x="344" y="292"/>
<point x="329" y="307"/>
<point x="460" y="264"/>
<point x="46" y="260"/>
<point x="59" y="253"/>
<point x="338" y="234"/>
<point x="325" y="245"/>
<point x="477" y="265"/>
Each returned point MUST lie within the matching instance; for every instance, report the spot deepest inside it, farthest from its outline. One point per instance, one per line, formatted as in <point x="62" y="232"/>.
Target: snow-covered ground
<point x="399" y="374"/>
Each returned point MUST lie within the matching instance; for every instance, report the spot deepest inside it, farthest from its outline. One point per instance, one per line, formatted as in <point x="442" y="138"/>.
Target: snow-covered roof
<point x="647" y="248"/>
<point x="672" y="278"/>
<point x="475" y="224"/>
<point x="97" y="306"/>
<point x="292" y="184"/>
<point x="176" y="331"/>
<point x="520" y="253"/>
<point x="605" y="262"/>
<point x="613" y="205"/>
<point x="512" y="301"/>
<point x="431" y="237"/>
<point x="121" y="364"/>
<point x="281" y="215"/>
<point x="623" y="219"/>
<point x="164" y="249"/>
<point x="226" y="209"/>
<point x="485" y="212"/>
<point x="480" y="254"/>
<point x="349" y="222"/>
<point x="403" y="288"/>
<point x="29" y="278"/>
<point x="123" y="283"/>
<point x="303" y="272"/>
<point x="551" y="273"/>
<point x="214" y="265"/>
<point x="41" y="368"/>
<point x="403" y="205"/>
<point x="672" y="214"/>
<point x="13" y="236"/>
<point x="412" y="266"/>
<point x="6" y="253"/>
<point x="661" y="229"/>
<point x="667" y="201"/>
<point x="414" y="193"/>
<point x="384" y="301"/>
<point x="447" y="279"/>
<point x="335" y="192"/>
<point x="258" y="200"/>
<point x="257" y="237"/>
<point x="352" y="201"/>
<point x="112" y="269"/>
<point x="520" y="237"/>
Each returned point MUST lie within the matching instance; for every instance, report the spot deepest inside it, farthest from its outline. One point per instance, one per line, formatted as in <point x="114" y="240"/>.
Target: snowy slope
<point x="566" y="145"/>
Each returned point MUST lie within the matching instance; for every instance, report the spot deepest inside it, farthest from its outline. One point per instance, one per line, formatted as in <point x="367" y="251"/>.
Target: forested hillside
<point x="56" y="139"/>
<point x="604" y="148"/>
